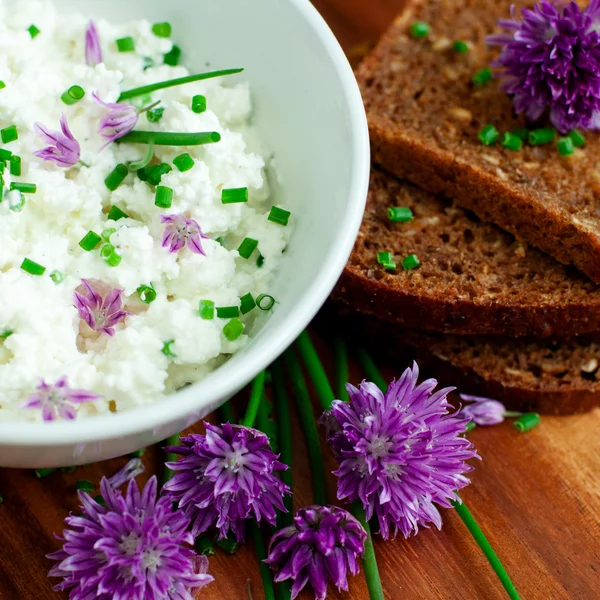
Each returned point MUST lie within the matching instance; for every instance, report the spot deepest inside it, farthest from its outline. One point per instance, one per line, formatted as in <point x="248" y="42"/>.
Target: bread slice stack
<point x="504" y="300"/>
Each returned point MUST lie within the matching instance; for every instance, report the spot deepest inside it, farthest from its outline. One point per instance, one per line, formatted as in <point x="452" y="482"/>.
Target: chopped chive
<point x="117" y="177"/>
<point x="235" y="195"/>
<point x="419" y="30"/>
<point x="9" y="134"/>
<point x="138" y="453"/>
<point x="247" y="247"/>
<point x="147" y="293"/>
<point x="15" y="166"/>
<point x="73" y="95"/>
<point x="522" y="134"/>
<point x="164" y="197"/>
<point x="168" y="350"/>
<point x="199" y="104"/>
<point x="115" y="214"/>
<point x="14" y="205"/>
<point x="2" y="168"/>
<point x="143" y="162"/>
<point x="565" y="146"/>
<point x="84" y="485"/>
<point x="109" y="255"/>
<point x="126" y="44"/>
<point x="90" y="241"/>
<point x="384" y="258"/>
<point x="537" y="137"/>
<point x="32" y="268"/>
<point x="265" y="302"/>
<point x="470" y="426"/>
<point x="33" y="31"/>
<point x="2" y="85"/>
<point x="57" y="277"/>
<point x="260" y="261"/>
<point x="488" y="135"/>
<point x="146" y="89"/>
<point x="400" y="214"/>
<point x="233" y="330"/>
<point x="577" y="139"/>
<point x="411" y="262"/>
<point x="172" y="57"/>
<point x="279" y="216"/>
<point x="482" y="77"/>
<point x="247" y="304"/>
<point x="204" y="546"/>
<point x="228" y="545"/>
<point x="154" y="115"/>
<point x="162" y="30"/>
<point x="153" y="175"/>
<point x="6" y="334"/>
<point x="164" y="138"/>
<point x="107" y="233"/>
<point x="41" y="473"/>
<point x="184" y="162"/>
<point x="206" y="310"/>
<point x="24" y="188"/>
<point x="5" y="154"/>
<point x="460" y="47"/>
<point x="511" y="141"/>
<point x="148" y="63"/>
<point x="68" y="469"/>
<point x="227" y="312"/>
<point x="527" y="422"/>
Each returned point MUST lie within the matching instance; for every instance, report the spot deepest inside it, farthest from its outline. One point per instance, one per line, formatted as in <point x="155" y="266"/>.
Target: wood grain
<point x="536" y="495"/>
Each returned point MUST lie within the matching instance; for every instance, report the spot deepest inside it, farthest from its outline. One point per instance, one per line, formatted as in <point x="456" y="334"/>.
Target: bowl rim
<point x="150" y="416"/>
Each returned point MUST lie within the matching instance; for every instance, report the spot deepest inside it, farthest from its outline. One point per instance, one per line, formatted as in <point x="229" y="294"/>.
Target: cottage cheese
<point x="128" y="369"/>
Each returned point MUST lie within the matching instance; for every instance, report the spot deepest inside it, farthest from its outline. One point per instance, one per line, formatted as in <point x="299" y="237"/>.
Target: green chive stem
<point x="168" y="473"/>
<point x="226" y="413"/>
<point x="371" y="370"/>
<point x="513" y="414"/>
<point x="205" y="546"/>
<point x="144" y="161"/>
<point x="148" y="89"/>
<point x="265" y="571"/>
<point x="309" y="426"/>
<point x="341" y="368"/>
<point x="256" y="396"/>
<point x="486" y="548"/>
<point x="315" y="370"/>
<point x="370" y="560"/>
<point x="228" y="545"/>
<point x="165" y="138"/>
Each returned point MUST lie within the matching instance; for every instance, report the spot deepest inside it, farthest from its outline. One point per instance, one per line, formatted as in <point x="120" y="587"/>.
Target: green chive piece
<point x="2" y="85"/>
<point x="162" y="30"/>
<point x="147" y="293"/>
<point x="482" y="77"/>
<point x="143" y="162"/>
<point x="511" y="141"/>
<point x="117" y="177"/>
<point x="279" y="216"/>
<point x="32" y="268"/>
<point x="537" y="137"/>
<point x="386" y="260"/>
<point x="126" y="44"/>
<point x="84" y="485"/>
<point x="109" y="255"/>
<point x="228" y="312"/>
<point x="68" y="469"/>
<point x="172" y="57"/>
<point x="233" y="330"/>
<point x="400" y="214"/>
<point x="100" y="500"/>
<point x="199" y="104"/>
<point x="247" y="247"/>
<point x="73" y="95"/>
<point x="184" y="162"/>
<point x="265" y="302"/>
<point x="260" y="261"/>
<point x="9" y="134"/>
<point x="460" y="47"/>
<point x="522" y="134"/>
<point x="411" y="262"/>
<point x="2" y="168"/>
<point x="164" y="197"/>
<point x="90" y="241"/>
<point x="6" y="334"/>
<point x="527" y="422"/>
<point x="577" y="139"/>
<point x="164" y="138"/>
<point x="168" y="350"/>
<point x="57" y="277"/>
<point x="16" y="166"/>
<point x="153" y="175"/>
<point x="115" y="214"/>
<point x="565" y="146"/>
<point x="154" y="115"/>
<point x="206" y="310"/>
<point x="228" y="545"/>
<point x="470" y="426"/>
<point x="41" y="473"/>
<point x="247" y="304"/>
<point x="147" y="89"/>
<point x="13" y="205"/>
<point x="488" y="135"/>
<point x="148" y="63"/>
<point x="419" y="30"/>
<point x="235" y="195"/>
<point x="138" y="453"/>
<point x="33" y="31"/>
<point x="5" y="154"/>
<point x="24" y="188"/>
<point x="204" y="546"/>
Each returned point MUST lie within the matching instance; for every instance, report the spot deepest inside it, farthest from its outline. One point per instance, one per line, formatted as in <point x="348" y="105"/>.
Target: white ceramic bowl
<point x="310" y="114"/>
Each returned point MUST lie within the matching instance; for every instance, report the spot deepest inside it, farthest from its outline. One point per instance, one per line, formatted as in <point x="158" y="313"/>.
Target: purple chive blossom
<point x="135" y="548"/>
<point x="118" y="121"/>
<point x="551" y="61"/>
<point x="93" y="51"/>
<point x="101" y="314"/>
<point x="323" y="543"/>
<point x="226" y="477"/>
<point x="58" y="400"/>
<point x="482" y="411"/>
<point x="181" y="231"/>
<point x="399" y="452"/>
<point x="130" y="471"/>
<point x="64" y="149"/>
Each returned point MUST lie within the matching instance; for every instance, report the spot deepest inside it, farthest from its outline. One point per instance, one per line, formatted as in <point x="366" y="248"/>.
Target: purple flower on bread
<point x="63" y="148"/>
<point x="550" y="62"/>
<point x="181" y="232"/>
<point x="100" y="313"/>
<point x="482" y="411"/>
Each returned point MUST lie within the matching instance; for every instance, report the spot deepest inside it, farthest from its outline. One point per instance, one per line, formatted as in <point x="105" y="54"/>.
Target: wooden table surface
<point x="536" y="495"/>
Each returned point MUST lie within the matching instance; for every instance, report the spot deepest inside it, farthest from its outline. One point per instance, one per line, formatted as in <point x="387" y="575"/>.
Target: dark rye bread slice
<point x="474" y="278"/>
<point x="548" y="377"/>
<point x="425" y="114"/>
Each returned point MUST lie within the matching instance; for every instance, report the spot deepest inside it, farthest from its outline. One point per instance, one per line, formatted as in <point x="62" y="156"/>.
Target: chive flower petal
<point x="93" y="50"/>
<point x="482" y="411"/>
<point x="101" y="313"/>
<point x="180" y="232"/>
<point x="118" y="121"/>
<point x="63" y="149"/>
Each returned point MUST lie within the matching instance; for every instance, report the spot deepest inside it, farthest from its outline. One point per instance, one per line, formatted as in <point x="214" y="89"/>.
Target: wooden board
<point x="536" y="495"/>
